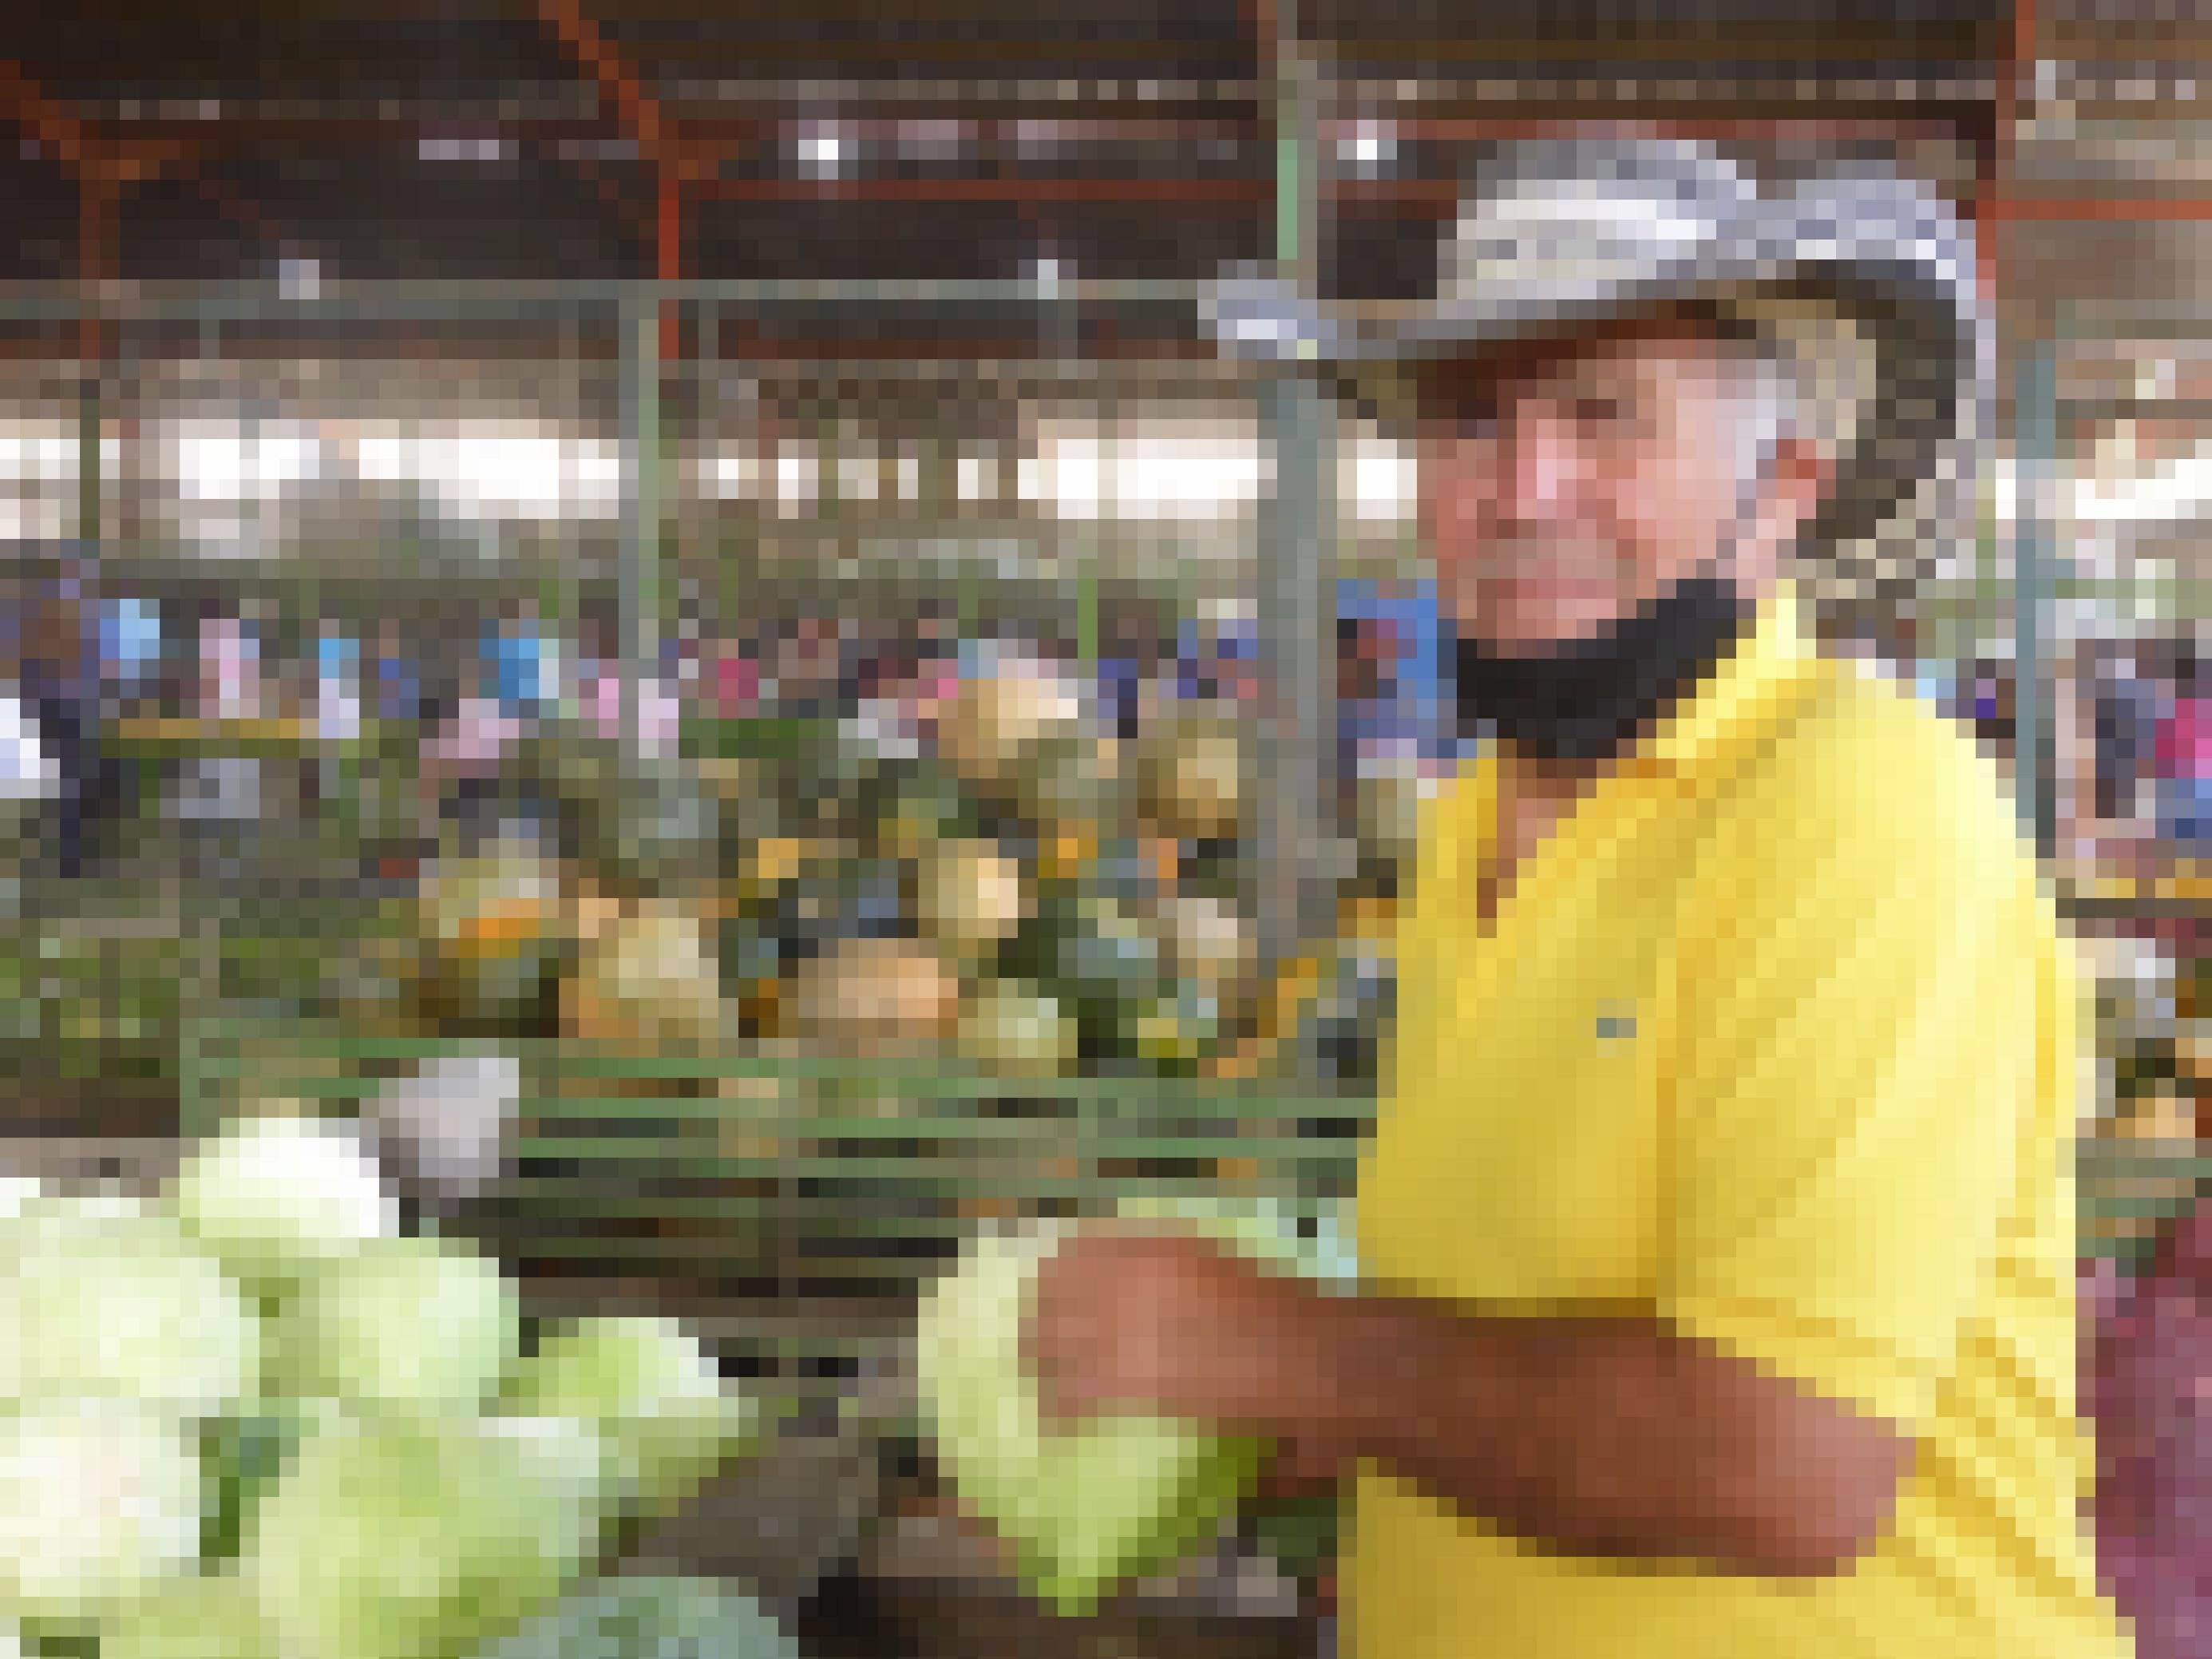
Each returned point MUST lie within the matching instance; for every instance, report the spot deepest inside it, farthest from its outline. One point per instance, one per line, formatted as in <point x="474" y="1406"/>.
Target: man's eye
<point x="1470" y="417"/>
<point x="1601" y="411"/>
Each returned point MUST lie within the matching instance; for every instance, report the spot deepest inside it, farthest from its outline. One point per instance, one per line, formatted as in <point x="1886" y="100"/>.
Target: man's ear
<point x="1791" y="486"/>
<point x="1798" y="477"/>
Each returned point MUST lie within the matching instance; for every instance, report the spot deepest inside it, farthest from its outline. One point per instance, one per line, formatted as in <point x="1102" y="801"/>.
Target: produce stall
<point x="738" y="790"/>
<point x="255" y="1412"/>
<point x="791" y="1004"/>
<point x="794" y="998"/>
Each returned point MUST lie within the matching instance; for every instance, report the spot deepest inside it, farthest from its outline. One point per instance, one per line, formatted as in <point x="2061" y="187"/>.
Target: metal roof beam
<point x="620" y="84"/>
<point x="84" y="152"/>
<point x="54" y="127"/>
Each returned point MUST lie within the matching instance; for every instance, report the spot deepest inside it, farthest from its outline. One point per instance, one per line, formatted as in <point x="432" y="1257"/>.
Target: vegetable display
<point x="253" y="1419"/>
<point x="647" y="1390"/>
<point x="1117" y="1497"/>
<point x="1013" y="879"/>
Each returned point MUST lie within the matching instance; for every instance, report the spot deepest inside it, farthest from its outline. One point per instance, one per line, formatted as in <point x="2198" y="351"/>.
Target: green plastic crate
<point x="792" y="1207"/>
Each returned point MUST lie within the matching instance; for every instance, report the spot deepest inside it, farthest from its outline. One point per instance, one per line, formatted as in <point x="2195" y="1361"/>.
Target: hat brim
<point x="1903" y="281"/>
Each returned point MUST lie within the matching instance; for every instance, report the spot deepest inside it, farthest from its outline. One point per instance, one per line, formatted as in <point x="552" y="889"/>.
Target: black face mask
<point x="1595" y="698"/>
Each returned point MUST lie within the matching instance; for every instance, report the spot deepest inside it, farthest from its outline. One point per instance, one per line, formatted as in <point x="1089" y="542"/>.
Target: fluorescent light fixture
<point x="216" y="460"/>
<point x="823" y="150"/>
<point x="1379" y="477"/>
<point x="464" y="150"/>
<point x="976" y="477"/>
<point x="46" y="452"/>
<point x="2170" y="493"/>
<point x="1160" y="469"/>
<point x="1371" y="146"/>
<point x="935" y="140"/>
<point x="482" y="469"/>
<point x="299" y="279"/>
<point x="2177" y="489"/>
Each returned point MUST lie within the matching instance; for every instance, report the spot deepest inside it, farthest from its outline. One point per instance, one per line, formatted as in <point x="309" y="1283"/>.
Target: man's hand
<point x="1611" y="1436"/>
<point x="1303" y="1469"/>
<point x="1154" y="1318"/>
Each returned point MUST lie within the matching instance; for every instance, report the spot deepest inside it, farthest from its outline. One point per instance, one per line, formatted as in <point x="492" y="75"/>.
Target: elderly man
<point x="1718" y="1246"/>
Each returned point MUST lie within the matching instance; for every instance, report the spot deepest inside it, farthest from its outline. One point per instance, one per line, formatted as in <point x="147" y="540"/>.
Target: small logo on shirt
<point x="1615" y="1024"/>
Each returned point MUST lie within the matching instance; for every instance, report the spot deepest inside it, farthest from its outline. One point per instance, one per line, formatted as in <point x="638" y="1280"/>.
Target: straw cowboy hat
<point x="1866" y="279"/>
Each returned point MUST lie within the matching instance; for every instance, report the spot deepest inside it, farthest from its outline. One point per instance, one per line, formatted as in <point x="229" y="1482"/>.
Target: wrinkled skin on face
<point x="1565" y="483"/>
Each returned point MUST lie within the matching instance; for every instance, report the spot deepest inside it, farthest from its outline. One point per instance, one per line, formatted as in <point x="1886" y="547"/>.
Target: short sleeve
<point x="1854" y="1091"/>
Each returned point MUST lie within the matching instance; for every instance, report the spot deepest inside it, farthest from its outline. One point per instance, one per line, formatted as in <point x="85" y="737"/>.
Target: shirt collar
<point x="1736" y="701"/>
<point x="1730" y="705"/>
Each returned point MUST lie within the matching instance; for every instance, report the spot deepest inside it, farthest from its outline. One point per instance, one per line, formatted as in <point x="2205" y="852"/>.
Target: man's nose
<point x="1537" y="470"/>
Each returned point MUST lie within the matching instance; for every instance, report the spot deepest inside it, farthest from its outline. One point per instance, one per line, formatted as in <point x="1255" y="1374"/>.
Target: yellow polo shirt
<point x="1775" y="1039"/>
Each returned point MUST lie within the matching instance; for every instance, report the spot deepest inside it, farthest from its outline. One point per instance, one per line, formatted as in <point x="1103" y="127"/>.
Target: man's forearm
<point x="1606" y="1435"/>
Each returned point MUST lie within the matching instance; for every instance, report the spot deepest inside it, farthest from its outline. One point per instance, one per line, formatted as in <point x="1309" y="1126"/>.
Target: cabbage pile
<point x="1119" y="1495"/>
<point x="255" y="1420"/>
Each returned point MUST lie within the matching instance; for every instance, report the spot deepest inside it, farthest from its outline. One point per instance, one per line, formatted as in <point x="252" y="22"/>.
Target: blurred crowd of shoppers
<point x="472" y="689"/>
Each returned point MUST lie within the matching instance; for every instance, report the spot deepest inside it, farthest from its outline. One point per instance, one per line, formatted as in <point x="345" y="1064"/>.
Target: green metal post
<point x="88" y="458"/>
<point x="1296" y="621"/>
<point x="556" y="587"/>
<point x="2035" y="399"/>
<point x="1086" y="616"/>
<point x="1097" y="537"/>
<point x="640" y="596"/>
